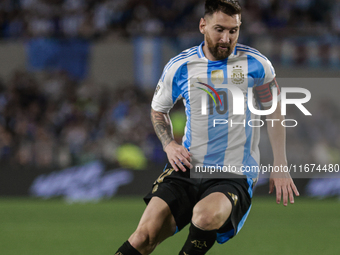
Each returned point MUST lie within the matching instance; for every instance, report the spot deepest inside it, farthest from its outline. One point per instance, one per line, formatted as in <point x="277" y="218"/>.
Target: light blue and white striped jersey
<point x="214" y="135"/>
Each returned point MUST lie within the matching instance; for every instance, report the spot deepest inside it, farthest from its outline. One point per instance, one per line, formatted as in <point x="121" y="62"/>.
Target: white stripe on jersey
<point x="237" y="136"/>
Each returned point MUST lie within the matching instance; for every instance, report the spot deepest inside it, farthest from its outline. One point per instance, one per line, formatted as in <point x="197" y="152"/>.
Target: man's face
<point x="221" y="32"/>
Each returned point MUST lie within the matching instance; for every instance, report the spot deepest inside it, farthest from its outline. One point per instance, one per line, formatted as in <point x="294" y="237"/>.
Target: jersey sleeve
<point x="167" y="92"/>
<point x="162" y="99"/>
<point x="264" y="90"/>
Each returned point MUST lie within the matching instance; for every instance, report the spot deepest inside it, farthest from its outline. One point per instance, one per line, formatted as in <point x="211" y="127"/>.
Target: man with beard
<point x="205" y="77"/>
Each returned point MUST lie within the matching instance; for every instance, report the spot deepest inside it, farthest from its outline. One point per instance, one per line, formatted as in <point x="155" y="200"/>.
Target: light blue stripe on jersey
<point x="218" y="135"/>
<point x="248" y="160"/>
<point x="187" y="142"/>
<point x="255" y="70"/>
<point x="181" y="56"/>
<point x="180" y="82"/>
<point x="180" y="87"/>
<point x="254" y="51"/>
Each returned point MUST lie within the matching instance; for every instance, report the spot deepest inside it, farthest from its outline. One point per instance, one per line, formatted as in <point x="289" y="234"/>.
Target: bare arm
<point x="277" y="136"/>
<point x="282" y="181"/>
<point x="177" y="154"/>
<point x="163" y="127"/>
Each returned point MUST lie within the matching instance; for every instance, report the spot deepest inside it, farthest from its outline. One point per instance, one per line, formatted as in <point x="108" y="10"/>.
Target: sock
<point x="127" y="249"/>
<point x="199" y="241"/>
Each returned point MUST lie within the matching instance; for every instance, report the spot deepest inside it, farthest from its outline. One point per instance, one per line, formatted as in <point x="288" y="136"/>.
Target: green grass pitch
<point x="51" y="227"/>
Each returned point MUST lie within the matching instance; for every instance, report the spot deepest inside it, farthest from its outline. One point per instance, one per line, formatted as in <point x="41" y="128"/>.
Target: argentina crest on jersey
<point x="237" y="76"/>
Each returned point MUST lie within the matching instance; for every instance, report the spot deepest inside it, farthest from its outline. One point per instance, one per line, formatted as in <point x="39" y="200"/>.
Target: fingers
<point x="185" y="153"/>
<point x="285" y="190"/>
<point x="291" y="195"/>
<point x="173" y="164"/>
<point x="292" y="190"/>
<point x="179" y="157"/>
<point x="295" y="189"/>
<point x="177" y="165"/>
<point x="271" y="186"/>
<point x="180" y="162"/>
<point x="278" y="194"/>
<point x="285" y="195"/>
<point x="186" y="163"/>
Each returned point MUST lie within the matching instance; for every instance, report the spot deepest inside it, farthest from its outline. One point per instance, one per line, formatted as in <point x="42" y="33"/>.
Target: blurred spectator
<point x="73" y="18"/>
<point x="54" y="121"/>
<point x="335" y="18"/>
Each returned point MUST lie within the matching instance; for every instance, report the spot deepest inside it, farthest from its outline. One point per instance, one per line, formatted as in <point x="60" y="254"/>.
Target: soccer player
<point x="204" y="77"/>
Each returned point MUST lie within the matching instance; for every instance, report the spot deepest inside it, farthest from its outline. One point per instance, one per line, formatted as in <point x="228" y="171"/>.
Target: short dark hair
<point x="229" y="7"/>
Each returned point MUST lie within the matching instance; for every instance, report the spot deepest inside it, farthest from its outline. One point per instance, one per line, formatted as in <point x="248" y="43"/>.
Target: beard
<point x="216" y="51"/>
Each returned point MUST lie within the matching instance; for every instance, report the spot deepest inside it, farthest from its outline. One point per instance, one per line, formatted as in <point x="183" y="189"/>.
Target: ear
<point x="202" y="25"/>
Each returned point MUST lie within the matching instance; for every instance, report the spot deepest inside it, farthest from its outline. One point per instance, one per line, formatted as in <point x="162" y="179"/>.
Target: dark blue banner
<point x="70" y="55"/>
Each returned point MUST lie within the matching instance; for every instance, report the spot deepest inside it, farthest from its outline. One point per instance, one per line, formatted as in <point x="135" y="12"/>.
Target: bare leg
<point x="212" y="211"/>
<point x="156" y="224"/>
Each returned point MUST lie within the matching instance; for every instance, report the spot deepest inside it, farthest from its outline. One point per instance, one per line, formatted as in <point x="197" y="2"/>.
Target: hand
<point x="178" y="154"/>
<point x="284" y="186"/>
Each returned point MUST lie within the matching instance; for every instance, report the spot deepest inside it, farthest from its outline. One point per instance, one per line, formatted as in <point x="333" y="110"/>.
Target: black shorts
<point x="182" y="193"/>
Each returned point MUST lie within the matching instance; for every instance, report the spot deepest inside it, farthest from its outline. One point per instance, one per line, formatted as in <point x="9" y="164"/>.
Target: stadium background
<point x="77" y="78"/>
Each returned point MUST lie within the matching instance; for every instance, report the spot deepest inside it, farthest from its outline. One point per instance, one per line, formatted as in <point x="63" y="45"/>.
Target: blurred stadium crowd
<point x="53" y="121"/>
<point x="93" y="18"/>
<point x="49" y="120"/>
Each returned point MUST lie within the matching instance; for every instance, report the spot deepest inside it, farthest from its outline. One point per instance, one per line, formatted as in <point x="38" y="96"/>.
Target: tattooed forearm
<point x="162" y="125"/>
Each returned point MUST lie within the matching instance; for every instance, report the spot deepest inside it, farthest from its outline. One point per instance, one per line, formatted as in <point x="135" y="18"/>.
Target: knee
<point x="143" y="240"/>
<point x="208" y="219"/>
